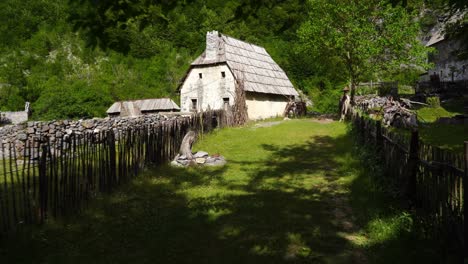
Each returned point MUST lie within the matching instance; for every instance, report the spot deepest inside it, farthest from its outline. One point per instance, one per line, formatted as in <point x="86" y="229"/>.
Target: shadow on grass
<point x="281" y="212"/>
<point x="392" y="230"/>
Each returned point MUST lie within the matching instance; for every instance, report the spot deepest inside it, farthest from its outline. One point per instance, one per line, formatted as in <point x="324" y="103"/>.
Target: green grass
<point x="291" y="193"/>
<point x="446" y="136"/>
<point x="450" y="137"/>
<point x="448" y="108"/>
<point x="429" y="114"/>
<point x="405" y="91"/>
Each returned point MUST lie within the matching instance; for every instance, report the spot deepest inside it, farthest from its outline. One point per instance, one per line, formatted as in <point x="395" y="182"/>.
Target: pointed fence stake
<point x="465" y="199"/>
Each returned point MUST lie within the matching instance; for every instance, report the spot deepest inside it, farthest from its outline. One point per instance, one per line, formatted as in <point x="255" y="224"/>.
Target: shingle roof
<point x="145" y="105"/>
<point x="437" y="33"/>
<point x="251" y="63"/>
<point x="436" y="36"/>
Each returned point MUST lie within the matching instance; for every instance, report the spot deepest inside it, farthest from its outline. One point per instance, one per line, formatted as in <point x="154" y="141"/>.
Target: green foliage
<point x="54" y="53"/>
<point x="405" y="90"/>
<point x="367" y="89"/>
<point x="10" y="99"/>
<point x="391" y="228"/>
<point x="368" y="38"/>
<point x="325" y="101"/>
<point x="130" y="49"/>
<point x="433" y="102"/>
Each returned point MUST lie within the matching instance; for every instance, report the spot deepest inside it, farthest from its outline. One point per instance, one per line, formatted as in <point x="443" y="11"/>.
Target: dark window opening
<point x="225" y="103"/>
<point x="194" y="105"/>
<point x="200" y="75"/>
<point x="223" y="74"/>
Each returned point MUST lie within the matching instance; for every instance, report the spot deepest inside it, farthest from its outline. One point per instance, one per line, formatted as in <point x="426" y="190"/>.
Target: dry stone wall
<point x="41" y="131"/>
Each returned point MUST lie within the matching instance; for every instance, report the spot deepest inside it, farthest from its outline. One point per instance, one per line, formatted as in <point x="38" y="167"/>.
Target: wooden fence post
<point x="413" y="166"/>
<point x="378" y="135"/>
<point x="362" y="128"/>
<point x="112" y="158"/>
<point x="43" y="184"/>
<point x="465" y="203"/>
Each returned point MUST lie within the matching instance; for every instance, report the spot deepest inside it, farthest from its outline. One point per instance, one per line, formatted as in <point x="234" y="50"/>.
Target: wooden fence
<point x="441" y="87"/>
<point x="58" y="179"/>
<point x="431" y="178"/>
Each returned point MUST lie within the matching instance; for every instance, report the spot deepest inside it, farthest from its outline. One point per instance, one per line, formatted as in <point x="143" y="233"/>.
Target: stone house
<point x="448" y="68"/>
<point x="211" y="79"/>
<point x="142" y="107"/>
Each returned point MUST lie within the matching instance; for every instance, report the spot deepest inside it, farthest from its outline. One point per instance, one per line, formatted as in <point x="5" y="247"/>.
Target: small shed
<point x="142" y="107"/>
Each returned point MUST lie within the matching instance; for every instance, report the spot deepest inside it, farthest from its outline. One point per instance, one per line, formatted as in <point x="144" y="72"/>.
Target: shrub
<point x="433" y="102"/>
<point x="326" y="101"/>
<point x="363" y="90"/>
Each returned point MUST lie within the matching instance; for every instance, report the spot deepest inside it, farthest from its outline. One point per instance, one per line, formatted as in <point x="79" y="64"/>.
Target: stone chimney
<point x="212" y="43"/>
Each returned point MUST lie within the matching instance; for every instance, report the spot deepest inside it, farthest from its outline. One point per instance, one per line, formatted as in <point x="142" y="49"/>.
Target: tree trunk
<point x="353" y="91"/>
<point x="239" y="108"/>
<point x="186" y="146"/>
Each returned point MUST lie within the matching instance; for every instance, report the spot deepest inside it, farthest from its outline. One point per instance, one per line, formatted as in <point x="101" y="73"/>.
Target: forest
<point x="73" y="59"/>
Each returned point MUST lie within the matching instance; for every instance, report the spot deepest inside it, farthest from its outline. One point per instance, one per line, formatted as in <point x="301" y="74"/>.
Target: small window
<point x="225" y="103"/>
<point x="194" y="105"/>
<point x="223" y="74"/>
<point x="200" y="75"/>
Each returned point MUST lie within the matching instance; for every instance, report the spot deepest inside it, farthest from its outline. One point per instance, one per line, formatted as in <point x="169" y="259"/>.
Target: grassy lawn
<point x="291" y="193"/>
<point x="443" y="135"/>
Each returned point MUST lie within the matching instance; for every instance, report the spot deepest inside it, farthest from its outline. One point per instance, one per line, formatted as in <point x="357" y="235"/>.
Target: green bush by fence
<point x="433" y="102"/>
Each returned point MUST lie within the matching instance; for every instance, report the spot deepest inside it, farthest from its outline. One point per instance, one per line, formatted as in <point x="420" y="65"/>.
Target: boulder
<point x="218" y="161"/>
<point x="200" y="160"/>
<point x="88" y="124"/>
<point x="22" y="136"/>
<point x="176" y="164"/>
<point x="200" y="154"/>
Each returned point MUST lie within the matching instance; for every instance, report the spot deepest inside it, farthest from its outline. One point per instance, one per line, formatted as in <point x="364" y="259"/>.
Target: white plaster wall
<point x="260" y="106"/>
<point x="447" y="65"/>
<point x="209" y="90"/>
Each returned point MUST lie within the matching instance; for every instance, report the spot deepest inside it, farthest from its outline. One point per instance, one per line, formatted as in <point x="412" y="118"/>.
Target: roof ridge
<point x="258" y="46"/>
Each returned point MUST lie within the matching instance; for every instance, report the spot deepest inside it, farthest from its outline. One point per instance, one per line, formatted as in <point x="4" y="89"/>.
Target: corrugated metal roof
<point x="159" y="104"/>
<point x="252" y="64"/>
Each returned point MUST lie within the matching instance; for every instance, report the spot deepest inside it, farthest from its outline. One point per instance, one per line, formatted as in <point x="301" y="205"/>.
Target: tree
<point x="368" y="38"/>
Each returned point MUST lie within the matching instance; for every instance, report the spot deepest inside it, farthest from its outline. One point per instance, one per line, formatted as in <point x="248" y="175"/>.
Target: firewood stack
<point x="393" y="112"/>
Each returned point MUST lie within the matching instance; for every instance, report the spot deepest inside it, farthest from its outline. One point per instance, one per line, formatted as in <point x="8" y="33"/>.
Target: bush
<point x="363" y="90"/>
<point x="325" y="95"/>
<point x="326" y="101"/>
<point x="433" y="102"/>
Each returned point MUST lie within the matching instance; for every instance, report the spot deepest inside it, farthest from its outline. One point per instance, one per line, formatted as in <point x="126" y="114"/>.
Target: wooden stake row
<point x="50" y="180"/>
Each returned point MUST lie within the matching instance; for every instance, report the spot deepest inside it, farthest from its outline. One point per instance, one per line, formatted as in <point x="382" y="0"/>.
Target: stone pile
<point x="53" y="131"/>
<point x="201" y="158"/>
<point x="394" y="113"/>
